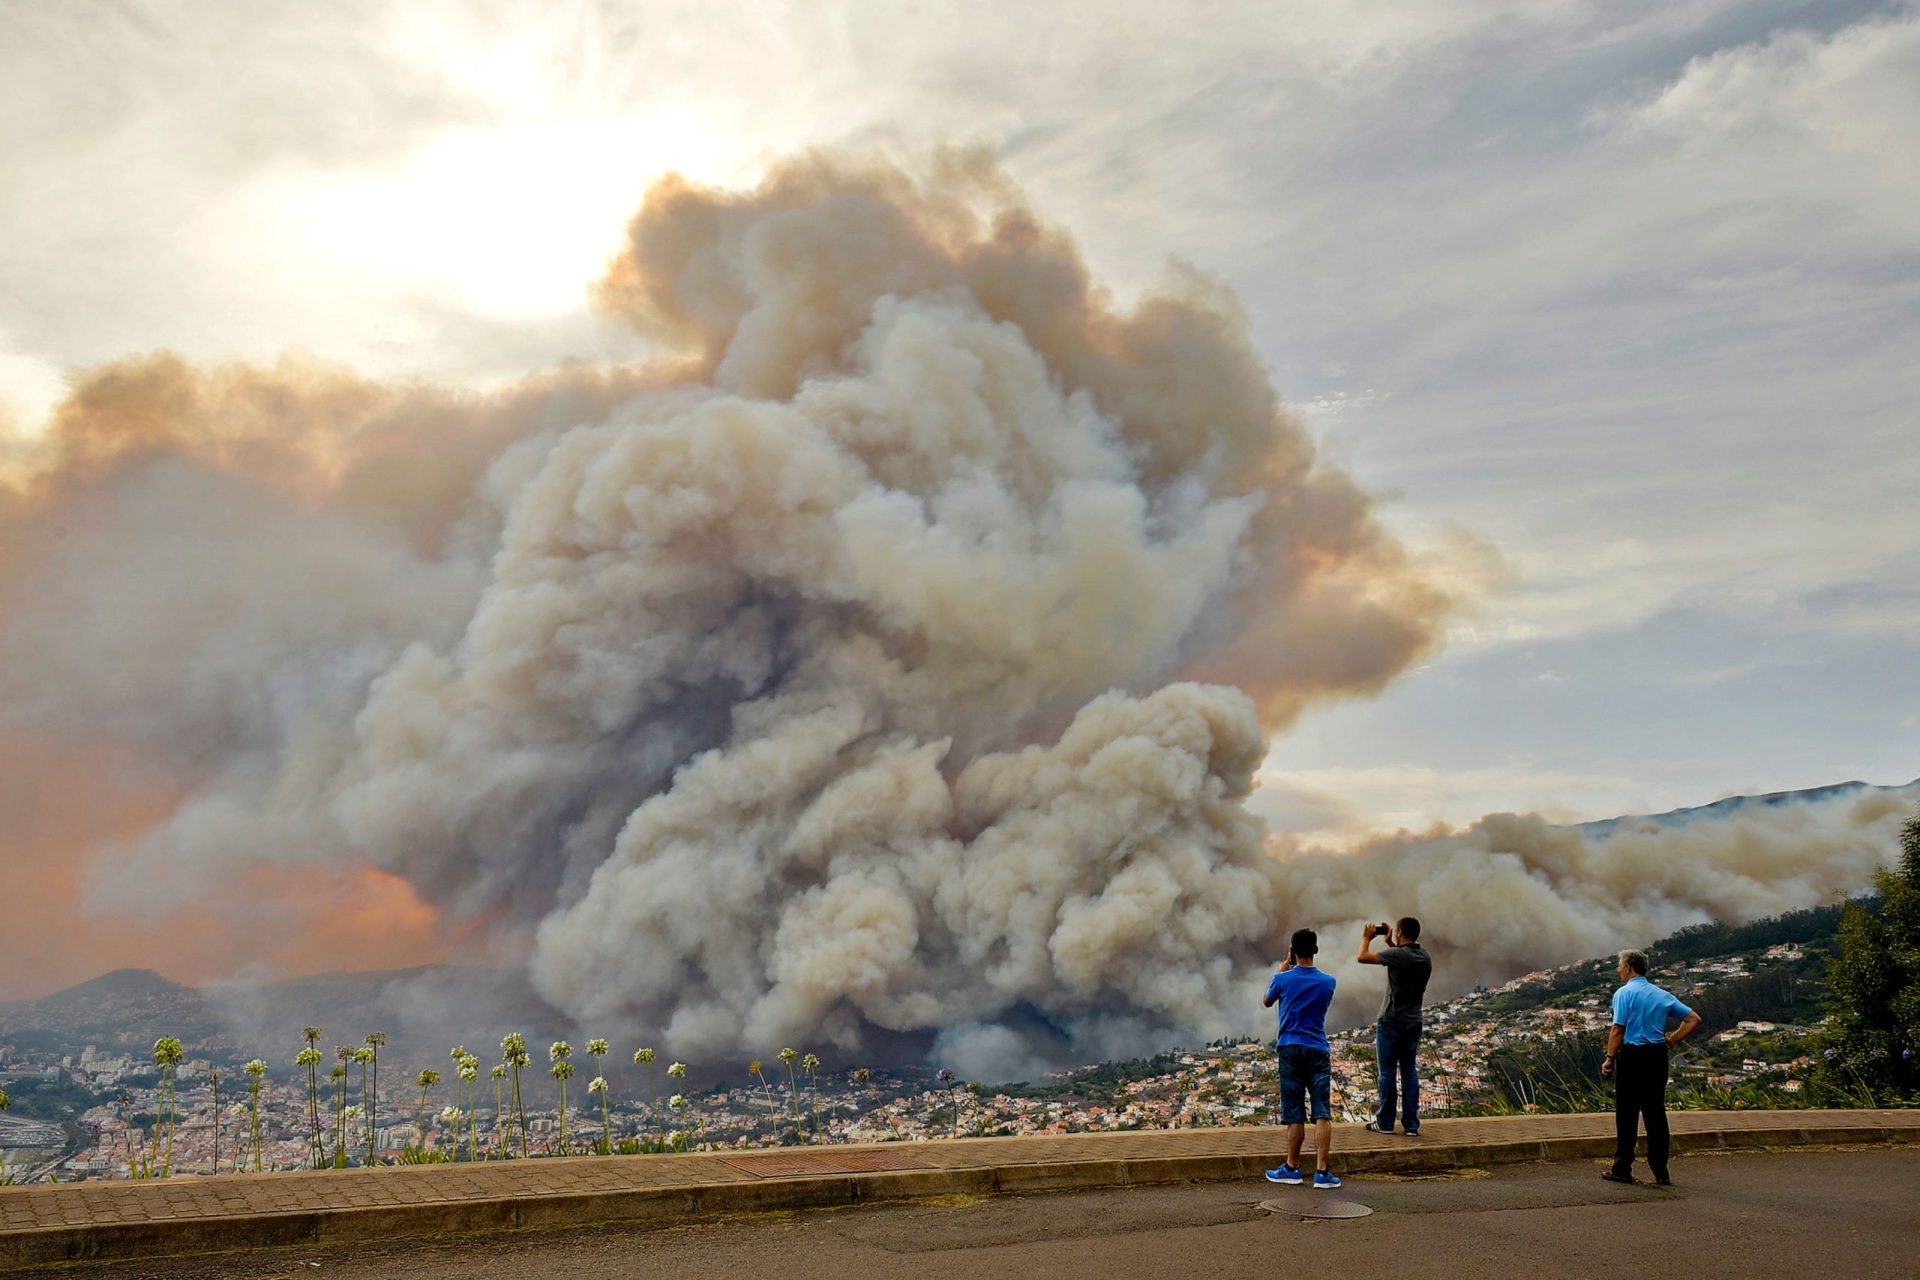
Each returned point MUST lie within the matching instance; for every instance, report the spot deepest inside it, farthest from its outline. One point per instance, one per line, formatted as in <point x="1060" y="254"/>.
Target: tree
<point x="1874" y="1035"/>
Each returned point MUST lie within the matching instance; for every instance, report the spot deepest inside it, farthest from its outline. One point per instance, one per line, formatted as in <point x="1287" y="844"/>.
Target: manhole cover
<point x="801" y="1165"/>
<point x="1316" y="1207"/>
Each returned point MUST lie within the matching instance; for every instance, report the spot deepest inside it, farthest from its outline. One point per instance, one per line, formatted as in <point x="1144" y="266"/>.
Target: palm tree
<point x="255" y="1071"/>
<point x="375" y="1042"/>
<point x="561" y="1054"/>
<point x="811" y="1065"/>
<point x="168" y="1053"/>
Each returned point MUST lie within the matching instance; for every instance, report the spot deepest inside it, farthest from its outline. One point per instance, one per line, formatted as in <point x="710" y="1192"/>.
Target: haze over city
<point x="1513" y="404"/>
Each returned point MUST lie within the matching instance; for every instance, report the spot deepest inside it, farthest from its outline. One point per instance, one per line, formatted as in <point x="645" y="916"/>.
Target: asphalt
<point x="1840" y="1212"/>
<point x="42" y="1225"/>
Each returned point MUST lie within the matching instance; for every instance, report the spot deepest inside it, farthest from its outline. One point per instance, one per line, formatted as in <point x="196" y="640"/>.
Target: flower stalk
<point x="560" y="1053"/>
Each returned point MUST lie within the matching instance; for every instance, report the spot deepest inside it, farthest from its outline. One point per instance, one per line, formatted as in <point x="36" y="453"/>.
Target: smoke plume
<point x="887" y="670"/>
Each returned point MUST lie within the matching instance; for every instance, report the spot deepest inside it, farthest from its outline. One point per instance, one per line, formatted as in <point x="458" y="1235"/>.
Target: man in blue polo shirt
<point x="1637" y="1045"/>
<point x="1303" y="993"/>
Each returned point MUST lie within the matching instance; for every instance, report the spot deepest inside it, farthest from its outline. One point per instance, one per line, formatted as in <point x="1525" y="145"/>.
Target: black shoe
<point x="1662" y="1180"/>
<point x="1611" y="1176"/>
<point x="1413" y="1132"/>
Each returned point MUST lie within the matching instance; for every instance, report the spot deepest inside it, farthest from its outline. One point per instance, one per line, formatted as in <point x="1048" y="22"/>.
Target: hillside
<point x="424" y="1010"/>
<point x="1733" y="805"/>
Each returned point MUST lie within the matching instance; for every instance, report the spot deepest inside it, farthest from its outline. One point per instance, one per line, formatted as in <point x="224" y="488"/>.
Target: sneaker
<point x="1325" y="1181"/>
<point x="1373" y="1126"/>
<point x="1413" y="1132"/>
<point x="1610" y="1176"/>
<point x="1287" y="1175"/>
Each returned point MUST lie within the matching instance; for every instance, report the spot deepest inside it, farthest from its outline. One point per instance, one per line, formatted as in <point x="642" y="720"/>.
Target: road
<point x="1852" y="1213"/>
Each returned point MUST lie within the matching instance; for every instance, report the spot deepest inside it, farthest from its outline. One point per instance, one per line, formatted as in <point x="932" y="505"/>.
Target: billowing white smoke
<point x="838" y="685"/>
<point x="1513" y="893"/>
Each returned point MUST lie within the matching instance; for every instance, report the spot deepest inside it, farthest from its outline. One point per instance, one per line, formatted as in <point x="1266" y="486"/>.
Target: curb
<point x="663" y="1205"/>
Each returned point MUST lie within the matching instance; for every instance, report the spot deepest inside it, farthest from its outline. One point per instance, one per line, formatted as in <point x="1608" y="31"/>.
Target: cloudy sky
<point x="1627" y="293"/>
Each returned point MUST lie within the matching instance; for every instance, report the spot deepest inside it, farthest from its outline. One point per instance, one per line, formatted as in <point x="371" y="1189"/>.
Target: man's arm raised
<point x="1366" y="956"/>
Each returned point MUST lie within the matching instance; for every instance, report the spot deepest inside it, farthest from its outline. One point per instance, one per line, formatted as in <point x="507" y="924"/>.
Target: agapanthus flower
<point x="642" y="1057"/>
<point x="597" y="1085"/>
<point x="167" y="1051"/>
<point x="944" y="1075"/>
<point x="427" y="1078"/>
<point x="597" y="1048"/>
<point x="469" y="1069"/>
<point x="677" y="1101"/>
<point x="560" y="1050"/>
<point x="307" y="1057"/>
<point x="788" y="1055"/>
<point x="449" y="1114"/>
<point x="256" y="1068"/>
<point x="458" y="1052"/>
<point x="363" y="1056"/>
<point x="810" y="1063"/>
<point x="353" y="1111"/>
<point x="678" y="1070"/>
<point x="499" y="1073"/>
<point x="563" y="1070"/>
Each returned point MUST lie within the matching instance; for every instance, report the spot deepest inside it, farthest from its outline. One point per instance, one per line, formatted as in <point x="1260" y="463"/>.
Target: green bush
<point x="1873" y="1036"/>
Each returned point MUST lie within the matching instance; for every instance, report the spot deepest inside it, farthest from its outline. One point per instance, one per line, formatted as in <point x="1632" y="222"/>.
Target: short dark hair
<point x="1305" y="942"/>
<point x="1409" y="928"/>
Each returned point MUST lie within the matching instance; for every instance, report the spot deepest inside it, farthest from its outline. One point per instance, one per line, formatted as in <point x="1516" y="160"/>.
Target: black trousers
<point x="1640" y="1089"/>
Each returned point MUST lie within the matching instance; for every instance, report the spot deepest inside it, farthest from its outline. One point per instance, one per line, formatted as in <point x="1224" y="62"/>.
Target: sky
<point x="1624" y="297"/>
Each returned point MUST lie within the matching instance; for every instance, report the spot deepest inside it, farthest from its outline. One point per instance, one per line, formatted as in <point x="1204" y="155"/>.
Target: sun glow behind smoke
<point x="502" y="222"/>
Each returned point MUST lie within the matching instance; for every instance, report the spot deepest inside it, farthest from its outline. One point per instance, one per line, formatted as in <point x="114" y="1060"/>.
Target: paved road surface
<point x="1841" y="1213"/>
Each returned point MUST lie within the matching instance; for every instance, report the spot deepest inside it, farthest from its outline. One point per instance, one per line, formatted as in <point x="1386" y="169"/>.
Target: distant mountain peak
<point x="130" y="982"/>
<point x="1730" y="805"/>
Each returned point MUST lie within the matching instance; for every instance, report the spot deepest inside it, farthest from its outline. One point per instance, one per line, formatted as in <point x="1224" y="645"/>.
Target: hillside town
<point x="116" y="1098"/>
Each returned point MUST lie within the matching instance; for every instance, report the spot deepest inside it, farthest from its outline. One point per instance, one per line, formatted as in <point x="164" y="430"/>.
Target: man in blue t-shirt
<point x="1637" y="1045"/>
<point x="1303" y="993"/>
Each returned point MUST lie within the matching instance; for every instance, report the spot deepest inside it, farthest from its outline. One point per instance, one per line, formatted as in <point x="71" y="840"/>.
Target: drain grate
<point x="801" y="1165"/>
<point x="1320" y="1206"/>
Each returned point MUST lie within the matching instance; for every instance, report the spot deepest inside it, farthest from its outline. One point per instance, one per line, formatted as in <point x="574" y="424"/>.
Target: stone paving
<point x="84" y="1219"/>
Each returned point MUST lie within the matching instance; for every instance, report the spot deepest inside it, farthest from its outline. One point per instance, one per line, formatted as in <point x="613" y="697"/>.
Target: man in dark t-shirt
<point x="1397" y="1033"/>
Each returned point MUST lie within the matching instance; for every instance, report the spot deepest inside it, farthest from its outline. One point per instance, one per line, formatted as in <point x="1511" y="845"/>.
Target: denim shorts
<point x="1305" y="1075"/>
